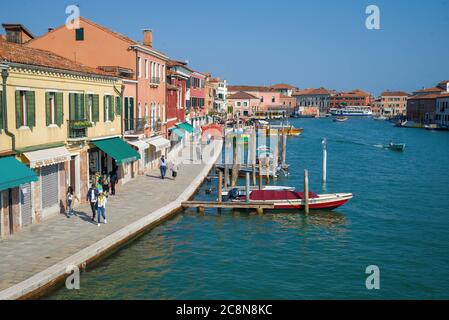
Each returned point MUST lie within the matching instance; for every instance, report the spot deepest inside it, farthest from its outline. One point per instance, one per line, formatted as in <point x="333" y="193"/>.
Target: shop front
<point x="15" y="181"/>
<point x="113" y="154"/>
<point x="47" y="196"/>
<point x="158" y="147"/>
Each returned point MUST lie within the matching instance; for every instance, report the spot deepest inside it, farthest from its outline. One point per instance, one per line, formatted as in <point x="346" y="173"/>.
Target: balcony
<point x="135" y="125"/>
<point x="155" y="82"/>
<point x="77" y="129"/>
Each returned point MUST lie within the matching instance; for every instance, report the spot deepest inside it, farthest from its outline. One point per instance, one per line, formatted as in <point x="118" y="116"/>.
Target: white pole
<point x="324" y="142"/>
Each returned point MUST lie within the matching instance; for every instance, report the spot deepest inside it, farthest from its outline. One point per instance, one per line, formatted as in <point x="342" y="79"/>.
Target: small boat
<point x="396" y="146"/>
<point x="436" y="127"/>
<point x="340" y="119"/>
<point x="293" y="200"/>
<point x="290" y="131"/>
<point x="380" y="118"/>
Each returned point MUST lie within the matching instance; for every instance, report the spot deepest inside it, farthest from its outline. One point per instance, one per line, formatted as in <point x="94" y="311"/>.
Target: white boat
<point x="381" y="118"/>
<point x="352" y="111"/>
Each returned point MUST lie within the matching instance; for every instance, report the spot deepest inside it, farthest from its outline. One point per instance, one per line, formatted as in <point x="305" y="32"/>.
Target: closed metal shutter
<point x="25" y="204"/>
<point x="49" y="180"/>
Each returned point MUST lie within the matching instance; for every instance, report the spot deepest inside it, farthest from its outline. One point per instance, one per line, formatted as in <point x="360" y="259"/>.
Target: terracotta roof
<point x="443" y="83"/>
<point x="250" y="88"/>
<point x="355" y="92"/>
<point x="430" y="96"/>
<point x="433" y="89"/>
<point x="242" y="95"/>
<point x="311" y="91"/>
<point x="16" y="53"/>
<point x="282" y="86"/>
<point x="394" y="94"/>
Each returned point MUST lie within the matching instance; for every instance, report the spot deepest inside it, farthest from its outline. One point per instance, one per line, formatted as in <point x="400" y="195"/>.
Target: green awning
<point x="186" y="126"/>
<point x="118" y="149"/>
<point x="179" y="132"/>
<point x="13" y="173"/>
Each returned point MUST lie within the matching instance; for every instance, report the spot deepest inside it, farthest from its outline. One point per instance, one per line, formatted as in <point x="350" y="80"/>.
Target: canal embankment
<point x="39" y="258"/>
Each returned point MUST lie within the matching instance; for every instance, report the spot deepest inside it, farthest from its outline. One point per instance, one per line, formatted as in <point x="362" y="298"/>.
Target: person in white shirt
<point x="163" y="167"/>
<point x="101" y="204"/>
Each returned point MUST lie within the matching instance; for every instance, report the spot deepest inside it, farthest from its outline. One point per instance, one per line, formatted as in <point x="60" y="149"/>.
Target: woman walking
<point x="174" y="169"/>
<point x="101" y="204"/>
<point x="70" y="199"/>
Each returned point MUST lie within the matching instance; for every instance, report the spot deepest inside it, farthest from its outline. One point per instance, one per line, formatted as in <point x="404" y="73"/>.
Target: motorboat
<point x="340" y="119"/>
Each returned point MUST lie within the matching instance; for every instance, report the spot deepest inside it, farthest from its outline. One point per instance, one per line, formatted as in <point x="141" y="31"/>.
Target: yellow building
<point x="60" y="124"/>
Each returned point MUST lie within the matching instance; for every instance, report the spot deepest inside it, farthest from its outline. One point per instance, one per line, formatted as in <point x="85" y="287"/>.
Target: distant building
<point x="422" y="105"/>
<point x="313" y="99"/>
<point x="393" y="104"/>
<point x="197" y="95"/>
<point x="242" y="104"/>
<point x="352" y="98"/>
<point x="442" y="112"/>
<point x="284" y="88"/>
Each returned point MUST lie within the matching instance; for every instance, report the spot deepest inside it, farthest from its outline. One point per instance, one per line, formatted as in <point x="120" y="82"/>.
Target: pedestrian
<point x="106" y="183"/>
<point x="174" y="169"/>
<point x="70" y="198"/>
<point x="113" y="180"/>
<point x="102" y="200"/>
<point x="163" y="167"/>
<point x="92" y="198"/>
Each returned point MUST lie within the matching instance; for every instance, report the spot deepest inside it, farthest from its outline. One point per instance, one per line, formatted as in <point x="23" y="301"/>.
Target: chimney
<point x="148" y="37"/>
<point x="51" y="29"/>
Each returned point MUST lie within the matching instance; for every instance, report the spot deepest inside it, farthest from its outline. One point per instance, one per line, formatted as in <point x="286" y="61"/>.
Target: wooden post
<point x="306" y="192"/>
<point x="220" y="186"/>
<point x="260" y="175"/>
<point x="226" y="175"/>
<point x="254" y="154"/>
<point x="268" y="172"/>
<point x="284" y="148"/>
<point x="235" y="169"/>
<point x="247" y="189"/>
<point x="324" y="160"/>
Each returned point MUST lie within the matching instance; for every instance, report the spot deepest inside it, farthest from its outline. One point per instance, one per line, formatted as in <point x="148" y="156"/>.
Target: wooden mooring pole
<point x="220" y="186"/>
<point x="306" y="192"/>
<point x="247" y="188"/>
<point x="260" y="175"/>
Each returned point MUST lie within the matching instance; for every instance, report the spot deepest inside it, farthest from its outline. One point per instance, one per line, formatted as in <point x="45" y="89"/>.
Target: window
<point x="139" y="67"/>
<point x="146" y="68"/>
<point x="273" y="99"/>
<point x="239" y="104"/>
<point x="245" y="104"/>
<point x="79" y="34"/>
<point x="25" y="109"/>
<point x="54" y="108"/>
<point x="108" y="109"/>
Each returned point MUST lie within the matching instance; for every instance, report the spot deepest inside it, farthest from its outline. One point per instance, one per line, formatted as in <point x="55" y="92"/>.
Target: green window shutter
<point x="18" y="111"/>
<point x="105" y="116"/>
<point x="1" y="110"/>
<point x="59" y="108"/>
<point x="96" y="108"/>
<point x="31" y="108"/>
<point x="47" y="109"/>
<point x="118" y="106"/>
<point x="111" y="108"/>
<point x="72" y="115"/>
<point x="86" y="102"/>
<point x="82" y="108"/>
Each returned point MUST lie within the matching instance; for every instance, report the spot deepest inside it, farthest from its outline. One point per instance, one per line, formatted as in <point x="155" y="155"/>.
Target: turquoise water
<point x="398" y="221"/>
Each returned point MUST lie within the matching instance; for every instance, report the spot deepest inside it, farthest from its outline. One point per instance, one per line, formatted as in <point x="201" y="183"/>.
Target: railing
<point x="77" y="129"/>
<point x="155" y="80"/>
<point x="135" y="125"/>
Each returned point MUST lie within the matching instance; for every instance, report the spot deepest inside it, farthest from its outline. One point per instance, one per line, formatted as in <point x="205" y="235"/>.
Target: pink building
<point x="243" y="104"/>
<point x="197" y="95"/>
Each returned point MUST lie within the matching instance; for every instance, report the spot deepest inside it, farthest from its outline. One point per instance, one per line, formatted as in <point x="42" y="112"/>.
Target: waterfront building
<point x="197" y="109"/>
<point x="442" y="112"/>
<point x="393" y="104"/>
<point x="243" y="104"/>
<point x="209" y="94"/>
<point x="142" y="69"/>
<point x="313" y="98"/>
<point x="59" y="126"/>
<point x="376" y="107"/>
<point x="284" y="88"/>
<point x="422" y="105"/>
<point x="270" y="101"/>
<point x="355" y="97"/>
<point x="177" y="76"/>
<point x="219" y="93"/>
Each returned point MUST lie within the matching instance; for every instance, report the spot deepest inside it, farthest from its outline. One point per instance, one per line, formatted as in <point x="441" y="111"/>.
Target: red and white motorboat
<point x="292" y="200"/>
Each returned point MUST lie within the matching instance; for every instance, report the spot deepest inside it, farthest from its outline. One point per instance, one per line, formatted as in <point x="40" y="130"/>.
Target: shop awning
<point x="158" y="143"/>
<point x="14" y="173"/>
<point x="47" y="157"/>
<point x="178" y="132"/>
<point x="117" y="149"/>
<point x="139" y="144"/>
<point x="186" y="126"/>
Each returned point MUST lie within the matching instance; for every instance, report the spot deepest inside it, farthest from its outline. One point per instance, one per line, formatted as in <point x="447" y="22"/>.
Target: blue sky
<point x="304" y="43"/>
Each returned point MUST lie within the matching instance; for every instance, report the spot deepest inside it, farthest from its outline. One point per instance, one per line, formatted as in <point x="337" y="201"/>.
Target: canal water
<point x="398" y="221"/>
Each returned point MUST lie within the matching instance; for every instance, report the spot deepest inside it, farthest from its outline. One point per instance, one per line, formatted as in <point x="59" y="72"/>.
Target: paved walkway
<point x="41" y="246"/>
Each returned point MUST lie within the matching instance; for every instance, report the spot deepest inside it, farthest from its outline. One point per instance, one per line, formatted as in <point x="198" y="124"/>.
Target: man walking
<point x="92" y="197"/>
<point x="163" y="167"/>
<point x="113" y="180"/>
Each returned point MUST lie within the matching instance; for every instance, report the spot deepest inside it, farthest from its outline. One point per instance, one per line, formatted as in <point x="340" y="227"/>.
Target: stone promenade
<point x="35" y="256"/>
